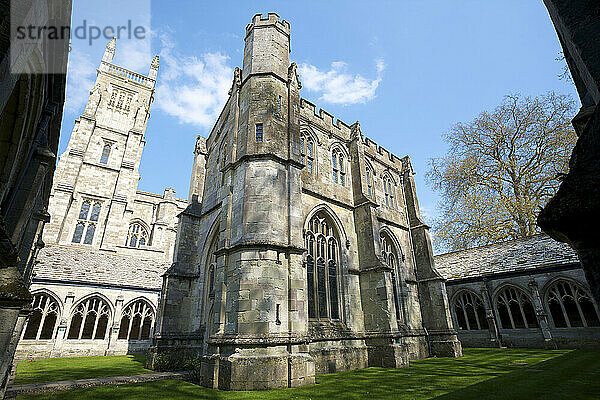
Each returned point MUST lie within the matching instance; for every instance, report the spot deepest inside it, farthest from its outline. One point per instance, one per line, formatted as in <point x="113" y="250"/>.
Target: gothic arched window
<point x="390" y="193"/>
<point x="515" y="309"/>
<point x="137" y="321"/>
<point x="339" y="167"/>
<point x="90" y="319"/>
<point x="87" y="222"/>
<point x="137" y="235"/>
<point x="370" y="177"/>
<point x="571" y="306"/>
<point x="307" y="146"/>
<point x="469" y="311"/>
<point x="322" y="269"/>
<point x="105" y="154"/>
<point x="42" y="320"/>
<point x="390" y="257"/>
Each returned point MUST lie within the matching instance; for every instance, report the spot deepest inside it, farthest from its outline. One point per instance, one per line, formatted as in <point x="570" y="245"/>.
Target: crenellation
<point x="309" y="106"/>
<point x="326" y="117"/>
<point x="272" y="19"/>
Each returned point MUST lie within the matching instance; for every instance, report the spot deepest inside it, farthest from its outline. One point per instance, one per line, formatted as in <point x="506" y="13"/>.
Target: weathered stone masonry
<point x="302" y="251"/>
<point x="96" y="283"/>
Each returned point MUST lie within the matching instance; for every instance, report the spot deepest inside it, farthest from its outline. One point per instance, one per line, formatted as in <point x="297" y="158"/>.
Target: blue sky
<point x="408" y="70"/>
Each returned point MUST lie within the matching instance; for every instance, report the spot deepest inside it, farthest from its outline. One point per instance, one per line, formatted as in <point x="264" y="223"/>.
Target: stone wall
<point x="133" y="233"/>
<point x="266" y="209"/>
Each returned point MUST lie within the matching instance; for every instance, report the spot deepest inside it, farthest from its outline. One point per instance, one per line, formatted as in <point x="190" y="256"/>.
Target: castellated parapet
<point x="344" y="132"/>
<point x="272" y="20"/>
<point x="302" y="251"/>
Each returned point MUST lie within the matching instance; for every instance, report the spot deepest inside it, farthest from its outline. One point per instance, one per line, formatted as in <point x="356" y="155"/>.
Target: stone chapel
<point x="302" y="251"/>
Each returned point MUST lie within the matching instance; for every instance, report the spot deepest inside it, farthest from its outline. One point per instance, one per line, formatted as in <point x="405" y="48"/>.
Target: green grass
<point x="480" y="374"/>
<point x="63" y="369"/>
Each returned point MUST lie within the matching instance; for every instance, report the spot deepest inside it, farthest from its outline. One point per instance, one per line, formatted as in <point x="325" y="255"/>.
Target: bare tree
<point x="501" y="169"/>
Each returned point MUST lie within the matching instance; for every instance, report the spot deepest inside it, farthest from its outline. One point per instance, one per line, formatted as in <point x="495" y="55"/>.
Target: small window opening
<point x="259" y="133"/>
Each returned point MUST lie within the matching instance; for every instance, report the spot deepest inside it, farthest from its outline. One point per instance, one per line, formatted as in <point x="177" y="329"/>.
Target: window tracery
<point x="308" y="152"/>
<point x="42" y="320"/>
<point x="90" y="319"/>
<point x="137" y="235"/>
<point x="515" y="309"/>
<point x="469" y="311"/>
<point x="322" y="266"/>
<point x="137" y="321"/>
<point x="370" y="175"/>
<point x="571" y="306"/>
<point x="86" y="222"/>
<point x="120" y="101"/>
<point x="390" y="257"/>
<point x="339" y="167"/>
<point x="389" y="190"/>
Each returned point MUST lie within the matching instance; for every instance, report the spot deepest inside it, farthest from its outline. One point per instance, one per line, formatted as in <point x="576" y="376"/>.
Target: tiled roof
<point x="99" y="267"/>
<point x="537" y="251"/>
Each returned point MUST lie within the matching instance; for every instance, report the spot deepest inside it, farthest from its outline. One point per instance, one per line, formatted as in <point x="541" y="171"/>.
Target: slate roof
<point x="99" y="267"/>
<point x="515" y="255"/>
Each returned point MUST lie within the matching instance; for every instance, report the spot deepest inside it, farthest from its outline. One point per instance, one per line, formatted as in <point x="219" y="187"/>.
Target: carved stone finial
<point x="155" y="63"/>
<point x="293" y="74"/>
<point x="237" y="80"/>
<point x="355" y="130"/>
<point x="200" y="146"/>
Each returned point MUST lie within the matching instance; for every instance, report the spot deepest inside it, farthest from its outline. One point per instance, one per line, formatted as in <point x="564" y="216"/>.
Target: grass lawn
<point x="63" y="369"/>
<point x="480" y="374"/>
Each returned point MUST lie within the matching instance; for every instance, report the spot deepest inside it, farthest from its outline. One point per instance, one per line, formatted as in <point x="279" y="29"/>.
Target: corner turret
<point x="267" y="49"/>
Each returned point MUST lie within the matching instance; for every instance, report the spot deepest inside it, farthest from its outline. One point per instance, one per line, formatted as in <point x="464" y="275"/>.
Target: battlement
<point x="327" y="119"/>
<point x="272" y="20"/>
<point x="345" y="130"/>
<point x="384" y="153"/>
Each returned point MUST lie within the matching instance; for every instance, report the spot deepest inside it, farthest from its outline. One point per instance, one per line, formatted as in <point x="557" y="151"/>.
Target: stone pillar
<point x="490" y="316"/>
<point x="63" y="326"/>
<point x="541" y="315"/>
<point x="113" y="330"/>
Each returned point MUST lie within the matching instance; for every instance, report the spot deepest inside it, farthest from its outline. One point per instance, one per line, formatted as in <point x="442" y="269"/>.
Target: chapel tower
<point x="97" y="176"/>
<point x="302" y="250"/>
<point x="252" y="175"/>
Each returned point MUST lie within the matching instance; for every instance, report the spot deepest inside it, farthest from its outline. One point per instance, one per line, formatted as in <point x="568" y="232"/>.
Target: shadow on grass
<point x="61" y="369"/>
<point x="481" y="374"/>
<point x="575" y="375"/>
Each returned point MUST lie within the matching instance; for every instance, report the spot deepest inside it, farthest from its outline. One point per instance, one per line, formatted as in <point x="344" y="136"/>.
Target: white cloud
<point x="134" y="55"/>
<point x="337" y="85"/>
<point x="81" y="75"/>
<point x="192" y="89"/>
